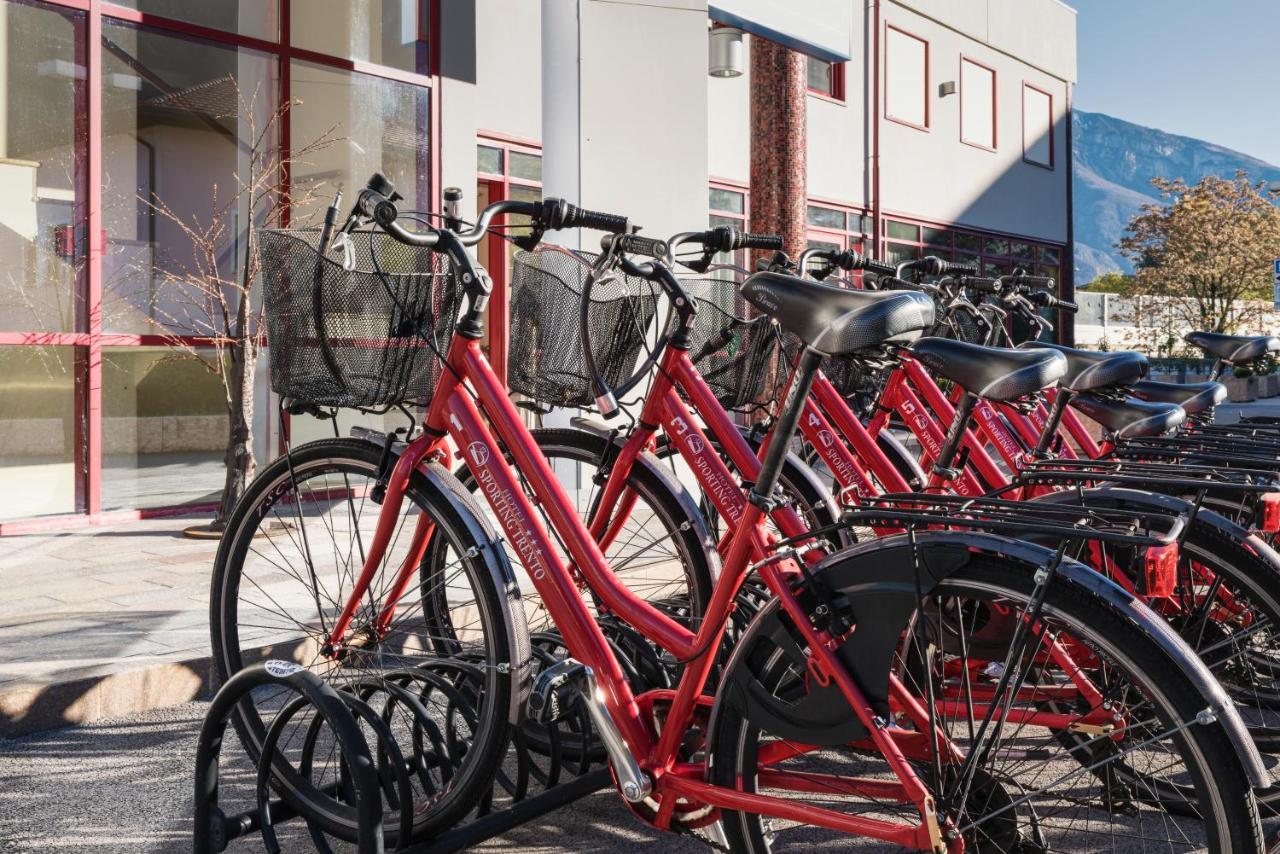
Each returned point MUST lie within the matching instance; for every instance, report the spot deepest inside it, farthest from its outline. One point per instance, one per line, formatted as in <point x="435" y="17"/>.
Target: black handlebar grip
<point x="879" y="267"/>
<point x="771" y="242"/>
<point x="951" y="268"/>
<point x="557" y="214"/>
<point x="980" y="284"/>
<point x="636" y="245"/>
<point x="1035" y="281"/>
<point x="1044" y="299"/>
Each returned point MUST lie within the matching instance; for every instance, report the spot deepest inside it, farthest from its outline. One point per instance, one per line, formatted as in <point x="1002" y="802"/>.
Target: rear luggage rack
<point x="1144" y="473"/>
<point x="1068" y="521"/>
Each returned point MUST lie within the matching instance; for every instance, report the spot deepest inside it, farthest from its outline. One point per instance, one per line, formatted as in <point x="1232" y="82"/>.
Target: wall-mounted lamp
<point x="947" y="88"/>
<point x="725" y="52"/>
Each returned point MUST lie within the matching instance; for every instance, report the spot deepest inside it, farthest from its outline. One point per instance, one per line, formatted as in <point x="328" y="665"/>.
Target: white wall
<point x="729" y="123"/>
<point x="644" y="111"/>
<point x="932" y="175"/>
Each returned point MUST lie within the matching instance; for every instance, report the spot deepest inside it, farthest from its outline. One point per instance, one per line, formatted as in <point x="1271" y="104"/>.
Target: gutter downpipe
<point x="1067" y="287"/>
<point x="877" y="247"/>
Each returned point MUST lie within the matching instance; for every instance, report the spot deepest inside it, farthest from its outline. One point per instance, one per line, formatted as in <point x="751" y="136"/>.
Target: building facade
<point x="127" y="127"/>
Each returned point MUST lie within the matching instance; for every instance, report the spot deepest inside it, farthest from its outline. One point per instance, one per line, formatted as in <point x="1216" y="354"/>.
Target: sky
<point x="1209" y="70"/>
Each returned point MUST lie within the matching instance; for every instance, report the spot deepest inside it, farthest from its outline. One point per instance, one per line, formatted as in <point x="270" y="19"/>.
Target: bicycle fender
<point x="878" y="579"/>
<point x="434" y="478"/>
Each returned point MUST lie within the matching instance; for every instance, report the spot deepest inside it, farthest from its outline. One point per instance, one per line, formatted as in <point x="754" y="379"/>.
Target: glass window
<point x="42" y="246"/>
<point x="385" y="32"/>
<point x="730" y="201"/>
<point x="1049" y="255"/>
<point x="935" y="236"/>
<point x="38" y="431"/>
<point x="489" y="160"/>
<point x="1037" y="126"/>
<point x="527" y="167"/>
<point x="997" y="246"/>
<point x="906" y="78"/>
<point x="164" y="429"/>
<point x="179" y="121"/>
<point x="968" y="242"/>
<point x="256" y="18"/>
<point x="381" y="122"/>
<point x="996" y="268"/>
<point x="826" y="77"/>
<point x="977" y="104"/>
<point x="903" y="230"/>
<point x="897" y="253"/>
<point x="862" y="223"/>
<point x="826" y="217"/>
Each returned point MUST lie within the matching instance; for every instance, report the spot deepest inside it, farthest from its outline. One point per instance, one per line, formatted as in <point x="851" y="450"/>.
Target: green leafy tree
<point x="1210" y="246"/>
<point x="1111" y="283"/>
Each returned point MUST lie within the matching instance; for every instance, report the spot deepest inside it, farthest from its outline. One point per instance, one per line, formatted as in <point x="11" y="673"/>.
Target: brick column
<point x="779" y="86"/>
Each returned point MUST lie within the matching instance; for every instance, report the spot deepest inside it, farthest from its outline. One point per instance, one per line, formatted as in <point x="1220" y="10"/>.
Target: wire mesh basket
<point x="362" y="337"/>
<point x="545" y="361"/>
<point x="736" y="349"/>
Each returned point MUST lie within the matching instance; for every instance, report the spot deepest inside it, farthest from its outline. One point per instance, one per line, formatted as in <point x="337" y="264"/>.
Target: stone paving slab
<point x="102" y="621"/>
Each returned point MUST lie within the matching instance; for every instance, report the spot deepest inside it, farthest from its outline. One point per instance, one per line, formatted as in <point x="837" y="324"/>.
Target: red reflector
<point x="1160" y="570"/>
<point x="1271" y="512"/>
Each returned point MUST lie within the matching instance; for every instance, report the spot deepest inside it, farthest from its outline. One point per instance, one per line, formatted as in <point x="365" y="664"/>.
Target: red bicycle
<point x="810" y="731"/>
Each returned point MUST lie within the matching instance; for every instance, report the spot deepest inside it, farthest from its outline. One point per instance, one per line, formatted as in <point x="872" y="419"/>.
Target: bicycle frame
<point x="454" y="416"/>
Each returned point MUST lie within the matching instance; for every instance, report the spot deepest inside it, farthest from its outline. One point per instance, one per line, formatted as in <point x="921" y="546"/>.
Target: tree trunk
<point x="241" y="466"/>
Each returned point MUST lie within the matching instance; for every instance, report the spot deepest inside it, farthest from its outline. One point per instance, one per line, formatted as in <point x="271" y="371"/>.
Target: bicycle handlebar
<point x="722" y="238"/>
<point x="932" y="265"/>
<point x="377" y="201"/>
<point x="845" y="260"/>
<point x="1044" y="299"/>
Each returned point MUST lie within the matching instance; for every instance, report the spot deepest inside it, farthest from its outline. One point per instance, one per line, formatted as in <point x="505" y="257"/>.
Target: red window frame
<point x="995" y="105"/>
<point x="1051" y="164"/>
<point x="837" y="93"/>
<point x="91" y="338"/>
<point x="847" y="238"/>
<point x="927" y="72"/>
<point x="499" y="184"/>
<point x="742" y="220"/>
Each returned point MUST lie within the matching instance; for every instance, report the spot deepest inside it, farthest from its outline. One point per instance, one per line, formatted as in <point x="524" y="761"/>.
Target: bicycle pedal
<point x="556" y="690"/>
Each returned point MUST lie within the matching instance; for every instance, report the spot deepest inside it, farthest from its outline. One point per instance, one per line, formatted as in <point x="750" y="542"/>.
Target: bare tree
<point x="206" y="293"/>
<point x="1209" y="246"/>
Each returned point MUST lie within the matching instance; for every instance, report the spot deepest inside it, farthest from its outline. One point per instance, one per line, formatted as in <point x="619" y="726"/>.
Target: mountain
<point x="1114" y="163"/>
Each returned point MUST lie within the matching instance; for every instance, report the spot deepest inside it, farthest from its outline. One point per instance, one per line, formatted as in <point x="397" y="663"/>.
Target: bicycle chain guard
<point x="879" y="585"/>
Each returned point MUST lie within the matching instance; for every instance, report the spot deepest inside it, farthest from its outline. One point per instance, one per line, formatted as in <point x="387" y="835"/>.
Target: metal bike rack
<point x="545" y="767"/>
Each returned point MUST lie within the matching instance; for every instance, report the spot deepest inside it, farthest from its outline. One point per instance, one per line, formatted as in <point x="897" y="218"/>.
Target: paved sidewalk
<point x="101" y="621"/>
<point x="125" y="785"/>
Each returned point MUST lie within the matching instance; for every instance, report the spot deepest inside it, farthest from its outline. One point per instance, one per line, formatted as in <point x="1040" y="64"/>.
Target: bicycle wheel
<point x="661" y="554"/>
<point x="285" y="568"/>
<point x="1024" y="791"/>
<point x="1226" y="606"/>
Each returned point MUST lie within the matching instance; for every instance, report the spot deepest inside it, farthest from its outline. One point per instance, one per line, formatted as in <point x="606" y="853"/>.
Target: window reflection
<point x="43" y="137"/>
<point x="382" y="31"/>
<point x="179" y="119"/>
<point x="381" y="124"/>
<point x="164" y="429"/>
<point x="38" y="431"/>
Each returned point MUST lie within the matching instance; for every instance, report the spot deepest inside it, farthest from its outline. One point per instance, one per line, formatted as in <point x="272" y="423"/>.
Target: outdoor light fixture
<point x="947" y="88"/>
<point x="725" y="54"/>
